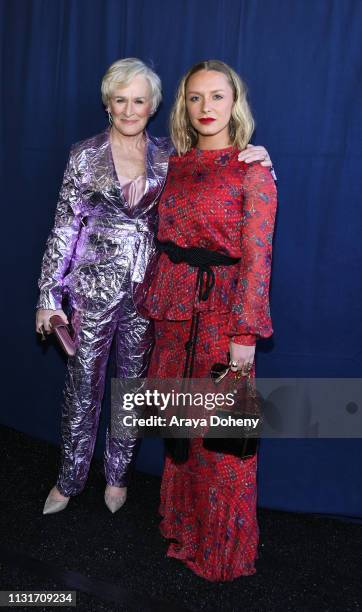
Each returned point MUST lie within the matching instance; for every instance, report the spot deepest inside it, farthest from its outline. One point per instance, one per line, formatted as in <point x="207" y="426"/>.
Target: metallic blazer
<point x="97" y="237"/>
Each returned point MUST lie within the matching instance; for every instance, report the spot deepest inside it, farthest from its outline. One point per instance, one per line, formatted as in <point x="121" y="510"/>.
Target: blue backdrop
<point x="302" y="63"/>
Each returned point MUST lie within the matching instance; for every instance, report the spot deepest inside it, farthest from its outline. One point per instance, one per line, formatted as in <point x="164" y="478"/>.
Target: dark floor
<point x="117" y="562"/>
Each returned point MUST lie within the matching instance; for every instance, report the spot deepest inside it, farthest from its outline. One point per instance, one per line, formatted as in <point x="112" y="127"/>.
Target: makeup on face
<point x="130" y="106"/>
<point x="209" y="102"/>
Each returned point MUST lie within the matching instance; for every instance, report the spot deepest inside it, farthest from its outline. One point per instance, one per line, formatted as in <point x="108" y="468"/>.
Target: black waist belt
<point x="202" y="259"/>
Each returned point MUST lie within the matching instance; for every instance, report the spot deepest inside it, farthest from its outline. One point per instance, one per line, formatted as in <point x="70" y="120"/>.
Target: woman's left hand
<point x="241" y="357"/>
<point x="255" y="153"/>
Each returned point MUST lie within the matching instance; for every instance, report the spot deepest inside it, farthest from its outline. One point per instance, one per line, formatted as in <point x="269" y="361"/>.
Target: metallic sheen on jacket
<point x="95" y="228"/>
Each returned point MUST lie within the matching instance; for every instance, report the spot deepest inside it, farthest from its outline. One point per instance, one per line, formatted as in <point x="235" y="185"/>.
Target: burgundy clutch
<point x="62" y="334"/>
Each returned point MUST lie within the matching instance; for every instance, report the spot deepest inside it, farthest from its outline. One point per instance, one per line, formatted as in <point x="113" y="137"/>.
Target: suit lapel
<point x="156" y="170"/>
<point x="105" y="175"/>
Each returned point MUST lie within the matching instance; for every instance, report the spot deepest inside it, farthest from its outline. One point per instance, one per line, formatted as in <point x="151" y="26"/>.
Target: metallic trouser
<point x="95" y="327"/>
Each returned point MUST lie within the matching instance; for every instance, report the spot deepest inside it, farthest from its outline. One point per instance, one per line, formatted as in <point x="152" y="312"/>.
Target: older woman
<point x="97" y="253"/>
<point x="216" y="216"/>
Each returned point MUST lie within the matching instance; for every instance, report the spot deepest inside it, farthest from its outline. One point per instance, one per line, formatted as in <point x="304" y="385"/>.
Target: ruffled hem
<point x="214" y="528"/>
<point x="177" y="551"/>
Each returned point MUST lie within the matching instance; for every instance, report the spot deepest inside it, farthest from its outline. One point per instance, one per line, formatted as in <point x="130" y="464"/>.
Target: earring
<point x="110" y="118"/>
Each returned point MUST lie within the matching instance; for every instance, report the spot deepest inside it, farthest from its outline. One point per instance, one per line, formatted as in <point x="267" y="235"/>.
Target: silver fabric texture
<point x="97" y="255"/>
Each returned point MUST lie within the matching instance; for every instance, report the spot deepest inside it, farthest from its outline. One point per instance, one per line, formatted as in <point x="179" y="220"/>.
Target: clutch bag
<point x="243" y="443"/>
<point x="62" y="334"/>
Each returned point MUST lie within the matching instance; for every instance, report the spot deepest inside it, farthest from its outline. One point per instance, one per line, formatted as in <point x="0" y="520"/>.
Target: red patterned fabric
<point x="208" y="503"/>
<point x="214" y="201"/>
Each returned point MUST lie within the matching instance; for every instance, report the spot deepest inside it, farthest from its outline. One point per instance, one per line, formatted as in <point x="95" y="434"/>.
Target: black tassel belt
<point x="202" y="259"/>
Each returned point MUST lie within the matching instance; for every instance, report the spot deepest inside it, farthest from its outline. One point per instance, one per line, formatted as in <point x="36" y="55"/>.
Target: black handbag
<point x="242" y="441"/>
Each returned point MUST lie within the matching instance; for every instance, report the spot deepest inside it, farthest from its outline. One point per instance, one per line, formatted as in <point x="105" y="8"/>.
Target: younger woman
<point x="226" y="209"/>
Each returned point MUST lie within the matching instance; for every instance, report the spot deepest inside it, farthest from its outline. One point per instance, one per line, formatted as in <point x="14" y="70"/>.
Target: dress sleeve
<point x="250" y="312"/>
<point x="61" y="241"/>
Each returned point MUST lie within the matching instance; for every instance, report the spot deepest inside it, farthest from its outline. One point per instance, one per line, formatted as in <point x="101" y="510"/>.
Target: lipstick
<point x="206" y="120"/>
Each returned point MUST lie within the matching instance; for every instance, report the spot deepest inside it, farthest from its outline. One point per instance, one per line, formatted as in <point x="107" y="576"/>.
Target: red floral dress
<point x="214" y="201"/>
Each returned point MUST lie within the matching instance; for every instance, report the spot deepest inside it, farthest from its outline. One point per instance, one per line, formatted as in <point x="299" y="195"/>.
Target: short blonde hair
<point x="241" y="125"/>
<point x="122" y="72"/>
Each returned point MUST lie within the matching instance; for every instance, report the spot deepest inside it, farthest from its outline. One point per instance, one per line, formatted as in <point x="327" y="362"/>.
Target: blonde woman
<point x="97" y="254"/>
<point x="223" y="211"/>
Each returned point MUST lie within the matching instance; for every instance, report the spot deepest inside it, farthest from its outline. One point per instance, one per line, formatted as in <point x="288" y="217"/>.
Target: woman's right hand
<point x="43" y="315"/>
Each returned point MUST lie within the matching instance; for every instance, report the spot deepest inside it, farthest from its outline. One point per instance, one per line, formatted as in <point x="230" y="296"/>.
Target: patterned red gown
<point x="214" y="201"/>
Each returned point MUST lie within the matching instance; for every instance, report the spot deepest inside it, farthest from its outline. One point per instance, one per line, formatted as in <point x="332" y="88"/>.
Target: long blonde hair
<point x="241" y="125"/>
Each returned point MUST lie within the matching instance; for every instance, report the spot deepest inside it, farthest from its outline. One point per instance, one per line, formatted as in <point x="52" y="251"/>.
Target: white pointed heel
<point x="52" y="505"/>
<point x="115" y="502"/>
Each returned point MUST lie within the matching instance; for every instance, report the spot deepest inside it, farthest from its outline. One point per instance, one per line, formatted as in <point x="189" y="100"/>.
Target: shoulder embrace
<point x="257" y="169"/>
<point x="254" y="171"/>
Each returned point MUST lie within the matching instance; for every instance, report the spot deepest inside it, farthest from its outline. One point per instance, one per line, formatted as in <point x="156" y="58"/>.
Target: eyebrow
<point x="214" y="91"/>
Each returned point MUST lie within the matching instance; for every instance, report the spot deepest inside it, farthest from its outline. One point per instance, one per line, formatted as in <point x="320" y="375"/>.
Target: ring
<point x="234" y="364"/>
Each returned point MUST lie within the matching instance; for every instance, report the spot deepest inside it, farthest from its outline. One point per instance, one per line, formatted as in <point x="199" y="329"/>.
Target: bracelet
<point x="272" y="172"/>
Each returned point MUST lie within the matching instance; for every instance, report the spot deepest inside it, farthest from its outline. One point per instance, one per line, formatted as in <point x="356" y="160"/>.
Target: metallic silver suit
<point x="97" y="254"/>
